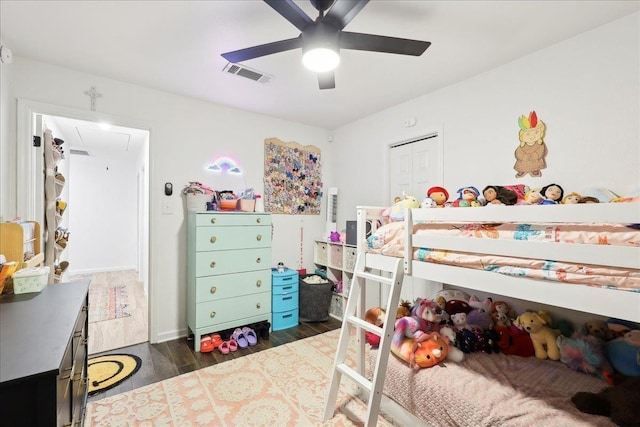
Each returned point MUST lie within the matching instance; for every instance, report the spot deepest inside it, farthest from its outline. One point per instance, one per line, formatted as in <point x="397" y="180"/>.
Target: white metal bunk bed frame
<point x="601" y="301"/>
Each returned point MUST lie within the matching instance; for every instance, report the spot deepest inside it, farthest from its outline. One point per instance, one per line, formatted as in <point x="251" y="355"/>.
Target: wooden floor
<point x="172" y="358"/>
<point x="125" y="331"/>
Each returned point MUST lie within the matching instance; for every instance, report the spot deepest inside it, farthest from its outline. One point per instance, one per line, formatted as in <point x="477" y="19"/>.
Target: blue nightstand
<point x="284" y="291"/>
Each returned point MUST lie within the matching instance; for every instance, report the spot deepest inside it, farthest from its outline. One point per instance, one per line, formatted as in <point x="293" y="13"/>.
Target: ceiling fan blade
<point x="327" y="80"/>
<point x="374" y="43"/>
<point x="343" y="11"/>
<point x="291" y="12"/>
<point x="262" y="50"/>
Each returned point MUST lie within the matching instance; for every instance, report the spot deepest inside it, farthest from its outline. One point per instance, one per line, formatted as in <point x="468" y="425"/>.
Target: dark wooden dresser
<point x="43" y="356"/>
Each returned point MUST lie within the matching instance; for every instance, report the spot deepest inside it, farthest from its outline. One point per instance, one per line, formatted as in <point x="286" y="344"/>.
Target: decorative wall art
<point x="531" y="153"/>
<point x="292" y="178"/>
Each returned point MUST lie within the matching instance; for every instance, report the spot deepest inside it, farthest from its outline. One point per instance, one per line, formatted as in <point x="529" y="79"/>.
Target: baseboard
<point x="86" y="271"/>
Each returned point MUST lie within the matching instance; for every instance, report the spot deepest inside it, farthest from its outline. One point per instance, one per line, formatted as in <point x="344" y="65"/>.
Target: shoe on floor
<point x="250" y="334"/>
<point x="206" y="345"/>
<point x="240" y="338"/>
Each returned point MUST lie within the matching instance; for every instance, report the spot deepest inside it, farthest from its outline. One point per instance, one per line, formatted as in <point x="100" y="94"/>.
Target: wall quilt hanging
<point x="292" y="178"/>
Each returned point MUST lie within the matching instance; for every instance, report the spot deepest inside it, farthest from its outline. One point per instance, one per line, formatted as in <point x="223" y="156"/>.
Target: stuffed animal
<point x="425" y="315"/>
<point x="597" y="328"/>
<point x="404" y="309"/>
<point x="396" y="211"/>
<point x="481" y="314"/>
<point x="467" y="197"/>
<point x="423" y="352"/>
<point x="585" y="353"/>
<point x="503" y="307"/>
<point x="459" y="321"/>
<point x="542" y="336"/>
<point x="498" y="195"/>
<point x="375" y="316"/>
<point x="514" y="341"/>
<point x="438" y="195"/>
<point x="624" y="353"/>
<point x="454" y="354"/>
<point x="621" y="402"/>
<point x="552" y="194"/>
<point x="453" y="294"/>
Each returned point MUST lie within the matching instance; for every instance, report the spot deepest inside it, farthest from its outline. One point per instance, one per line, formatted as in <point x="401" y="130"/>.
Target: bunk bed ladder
<point x="353" y="322"/>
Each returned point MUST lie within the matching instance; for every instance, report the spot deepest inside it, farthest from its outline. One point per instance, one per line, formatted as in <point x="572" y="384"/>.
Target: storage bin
<point x="335" y="255"/>
<point x="246" y="205"/>
<point x="30" y="280"/>
<point x="198" y="201"/>
<point x="284" y="320"/>
<point x="284" y="307"/>
<point x="315" y="299"/>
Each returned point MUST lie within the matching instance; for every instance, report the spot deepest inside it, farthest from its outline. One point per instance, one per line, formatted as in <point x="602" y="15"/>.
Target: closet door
<point x="414" y="167"/>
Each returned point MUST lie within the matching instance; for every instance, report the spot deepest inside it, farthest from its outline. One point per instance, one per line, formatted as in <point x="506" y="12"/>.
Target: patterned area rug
<point x="108" y="303"/>
<point x="282" y="386"/>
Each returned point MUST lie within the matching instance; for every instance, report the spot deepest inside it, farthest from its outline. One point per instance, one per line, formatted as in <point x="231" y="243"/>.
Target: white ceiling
<point x="175" y="46"/>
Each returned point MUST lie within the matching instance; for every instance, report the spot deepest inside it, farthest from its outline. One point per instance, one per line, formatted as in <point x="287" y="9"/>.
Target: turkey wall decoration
<point x="531" y="153"/>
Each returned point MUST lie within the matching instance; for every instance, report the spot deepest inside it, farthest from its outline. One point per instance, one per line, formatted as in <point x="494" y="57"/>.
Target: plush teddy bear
<point x="621" y="402"/>
<point x="542" y="336"/>
<point x="597" y="328"/>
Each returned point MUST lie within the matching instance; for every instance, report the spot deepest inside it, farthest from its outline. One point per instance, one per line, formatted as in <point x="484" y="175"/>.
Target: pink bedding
<point x="492" y="390"/>
<point x="389" y="240"/>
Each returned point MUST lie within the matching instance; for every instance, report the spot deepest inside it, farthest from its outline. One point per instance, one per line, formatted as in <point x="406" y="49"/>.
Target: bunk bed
<point x="496" y="389"/>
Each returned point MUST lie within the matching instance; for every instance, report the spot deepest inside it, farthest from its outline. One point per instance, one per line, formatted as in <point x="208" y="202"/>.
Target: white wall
<point x="586" y="90"/>
<point x="103" y="207"/>
<point x="7" y="151"/>
<point x="186" y="134"/>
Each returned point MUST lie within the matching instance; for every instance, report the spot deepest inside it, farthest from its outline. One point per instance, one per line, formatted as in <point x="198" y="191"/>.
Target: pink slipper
<point x="224" y="347"/>
<point x="233" y="345"/>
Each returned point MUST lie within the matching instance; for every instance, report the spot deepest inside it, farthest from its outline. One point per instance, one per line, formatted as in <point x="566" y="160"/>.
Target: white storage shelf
<point x="339" y="261"/>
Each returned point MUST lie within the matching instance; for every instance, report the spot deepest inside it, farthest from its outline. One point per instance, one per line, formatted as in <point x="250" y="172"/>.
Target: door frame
<point x="29" y="159"/>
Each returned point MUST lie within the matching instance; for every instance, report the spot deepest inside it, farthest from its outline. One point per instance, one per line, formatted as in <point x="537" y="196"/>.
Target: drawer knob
<point x="259" y="283"/>
<point x="258" y="260"/>
<point x="258" y="305"/>
<point x="258" y="220"/>
<point x="213" y="220"/>
<point x="259" y="237"/>
<point x="212" y="314"/>
<point x="213" y="239"/>
<point x="213" y="264"/>
<point x="213" y="289"/>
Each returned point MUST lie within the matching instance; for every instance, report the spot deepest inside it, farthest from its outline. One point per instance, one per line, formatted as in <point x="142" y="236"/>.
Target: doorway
<point x="415" y="165"/>
<point x="106" y="223"/>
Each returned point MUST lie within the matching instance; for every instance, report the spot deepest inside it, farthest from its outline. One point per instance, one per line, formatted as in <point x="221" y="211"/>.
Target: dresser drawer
<point x="285" y="302"/>
<point x="232" y="219"/>
<point x="211" y="313"/>
<point x="225" y="238"/>
<point x="231" y="285"/>
<point x="225" y="262"/>
<point x="285" y="289"/>
<point x="286" y="278"/>
<point x="284" y="320"/>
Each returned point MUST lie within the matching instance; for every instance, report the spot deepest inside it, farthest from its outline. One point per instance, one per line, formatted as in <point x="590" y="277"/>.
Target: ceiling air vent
<point x="79" y="152"/>
<point x="242" y="71"/>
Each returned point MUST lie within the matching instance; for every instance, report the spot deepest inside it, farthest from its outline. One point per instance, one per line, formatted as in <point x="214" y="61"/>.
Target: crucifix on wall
<point x="93" y="95"/>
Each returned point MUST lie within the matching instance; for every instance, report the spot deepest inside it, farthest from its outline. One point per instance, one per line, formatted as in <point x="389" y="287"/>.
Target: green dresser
<point x="228" y="271"/>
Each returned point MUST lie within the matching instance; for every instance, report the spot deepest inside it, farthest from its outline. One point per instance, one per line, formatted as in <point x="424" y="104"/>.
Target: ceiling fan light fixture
<point x="321" y="59"/>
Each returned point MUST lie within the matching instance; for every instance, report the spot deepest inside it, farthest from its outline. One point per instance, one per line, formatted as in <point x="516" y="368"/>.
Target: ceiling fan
<point x="322" y="39"/>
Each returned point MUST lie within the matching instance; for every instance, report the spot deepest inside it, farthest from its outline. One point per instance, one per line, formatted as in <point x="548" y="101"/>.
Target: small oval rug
<point x="108" y="371"/>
